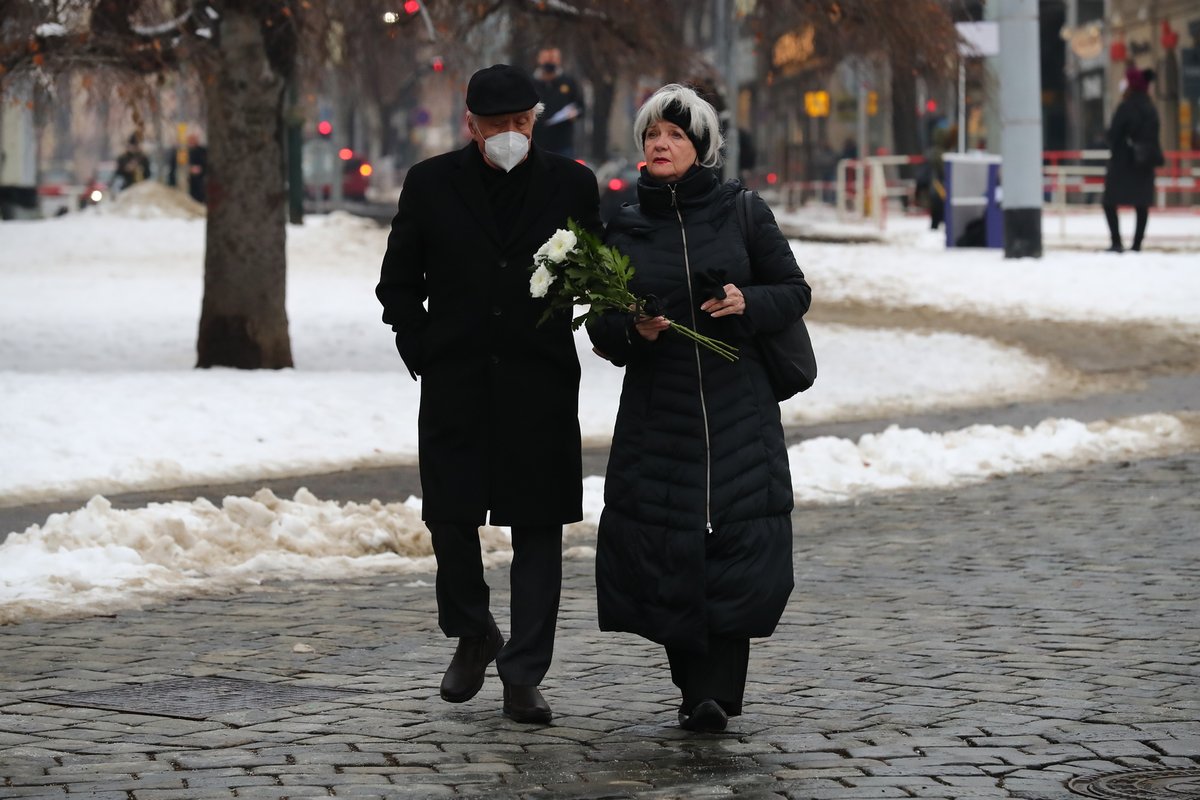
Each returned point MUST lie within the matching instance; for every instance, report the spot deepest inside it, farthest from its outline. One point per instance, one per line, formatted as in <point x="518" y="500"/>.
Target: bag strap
<point x="742" y="201"/>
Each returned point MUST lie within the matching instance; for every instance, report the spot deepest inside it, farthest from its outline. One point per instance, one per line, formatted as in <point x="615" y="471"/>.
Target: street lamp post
<point x="1021" y="114"/>
<point x="725" y="30"/>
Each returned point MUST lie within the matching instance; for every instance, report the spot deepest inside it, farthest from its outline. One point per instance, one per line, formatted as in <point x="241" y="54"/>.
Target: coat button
<point x="495" y="359"/>
<point x="503" y="263"/>
<point x="496" y="311"/>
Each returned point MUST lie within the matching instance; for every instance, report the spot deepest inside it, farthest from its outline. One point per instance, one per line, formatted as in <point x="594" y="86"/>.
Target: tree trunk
<point x="243" y="319"/>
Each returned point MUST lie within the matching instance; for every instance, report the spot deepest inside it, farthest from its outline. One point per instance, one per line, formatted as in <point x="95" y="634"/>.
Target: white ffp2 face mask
<point x="506" y="150"/>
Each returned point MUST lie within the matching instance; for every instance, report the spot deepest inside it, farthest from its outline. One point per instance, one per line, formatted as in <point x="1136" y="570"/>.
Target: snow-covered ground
<point x="97" y="395"/>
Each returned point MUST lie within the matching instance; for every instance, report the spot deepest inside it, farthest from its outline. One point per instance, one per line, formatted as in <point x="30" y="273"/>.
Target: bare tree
<point x="915" y="38"/>
<point x="243" y="320"/>
<point x="244" y="53"/>
<point x="633" y="39"/>
<point x="913" y="35"/>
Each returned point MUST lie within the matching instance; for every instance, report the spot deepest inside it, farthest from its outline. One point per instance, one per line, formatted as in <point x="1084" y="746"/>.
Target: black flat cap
<point x="500" y="89"/>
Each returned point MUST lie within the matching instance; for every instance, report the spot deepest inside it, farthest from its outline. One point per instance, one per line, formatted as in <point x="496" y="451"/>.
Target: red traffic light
<point x="345" y="154"/>
<point x="412" y="7"/>
<point x="616" y="185"/>
<point x="438" y="64"/>
<point x="325" y="127"/>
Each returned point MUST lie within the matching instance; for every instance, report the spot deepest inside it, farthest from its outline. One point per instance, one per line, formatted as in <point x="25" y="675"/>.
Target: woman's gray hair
<point x="705" y="125"/>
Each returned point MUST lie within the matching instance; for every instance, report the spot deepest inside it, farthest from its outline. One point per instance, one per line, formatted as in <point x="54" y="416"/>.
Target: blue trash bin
<point x="973" y="208"/>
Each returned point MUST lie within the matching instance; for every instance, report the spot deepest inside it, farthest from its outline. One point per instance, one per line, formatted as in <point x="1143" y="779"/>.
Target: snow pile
<point x="152" y="200"/>
<point x="828" y="469"/>
<point x="98" y="394"/>
<point x="100" y="559"/>
<point x="81" y="433"/>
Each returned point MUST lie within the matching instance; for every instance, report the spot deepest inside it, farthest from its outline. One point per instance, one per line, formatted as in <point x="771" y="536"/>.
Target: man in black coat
<point x="560" y="94"/>
<point x="498" y="426"/>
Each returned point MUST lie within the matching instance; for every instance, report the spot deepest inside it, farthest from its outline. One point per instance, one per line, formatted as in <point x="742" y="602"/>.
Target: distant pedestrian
<point x="498" y="427"/>
<point x="554" y="130"/>
<point x="133" y="165"/>
<point x="944" y="139"/>
<point x="849" y="149"/>
<point x="824" y="162"/>
<point x="197" y="168"/>
<point x="1134" y="153"/>
<point x="694" y="549"/>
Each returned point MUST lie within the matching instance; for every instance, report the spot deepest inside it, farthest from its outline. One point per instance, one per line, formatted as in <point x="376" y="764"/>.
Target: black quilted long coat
<point x="696" y="539"/>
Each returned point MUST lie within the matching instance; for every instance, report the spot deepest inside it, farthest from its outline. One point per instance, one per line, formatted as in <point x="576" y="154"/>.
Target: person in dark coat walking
<point x="498" y="427"/>
<point x="554" y="131"/>
<point x="133" y="165"/>
<point x="1134" y="152"/>
<point x="694" y="549"/>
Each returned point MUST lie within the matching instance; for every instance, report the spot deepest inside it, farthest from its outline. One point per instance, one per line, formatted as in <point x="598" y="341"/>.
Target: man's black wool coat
<point x="498" y="424"/>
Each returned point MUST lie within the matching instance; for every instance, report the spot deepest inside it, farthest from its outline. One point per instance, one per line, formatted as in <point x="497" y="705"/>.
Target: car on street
<point x="618" y="185"/>
<point x="319" y="167"/>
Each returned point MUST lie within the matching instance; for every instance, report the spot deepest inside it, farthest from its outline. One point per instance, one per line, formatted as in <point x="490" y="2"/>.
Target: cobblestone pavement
<point x="989" y="641"/>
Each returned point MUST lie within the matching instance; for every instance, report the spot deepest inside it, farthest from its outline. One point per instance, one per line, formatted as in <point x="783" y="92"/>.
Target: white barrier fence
<point x="869" y="189"/>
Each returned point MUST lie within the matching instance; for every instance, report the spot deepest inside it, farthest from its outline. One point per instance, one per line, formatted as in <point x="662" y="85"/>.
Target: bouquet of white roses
<point x="573" y="268"/>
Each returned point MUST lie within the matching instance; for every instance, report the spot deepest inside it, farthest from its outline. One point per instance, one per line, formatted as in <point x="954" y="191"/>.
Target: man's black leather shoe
<point x="707" y="717"/>
<point x="526" y="704"/>
<point x="464" y="676"/>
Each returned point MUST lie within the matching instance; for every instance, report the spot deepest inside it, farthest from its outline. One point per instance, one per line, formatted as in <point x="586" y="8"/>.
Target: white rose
<point x="539" y="282"/>
<point x="560" y="245"/>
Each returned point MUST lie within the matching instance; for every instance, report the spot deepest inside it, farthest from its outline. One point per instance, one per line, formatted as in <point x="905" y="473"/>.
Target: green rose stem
<point x="725" y="351"/>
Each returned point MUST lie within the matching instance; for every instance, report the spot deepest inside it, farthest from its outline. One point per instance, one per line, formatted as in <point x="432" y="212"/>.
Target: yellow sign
<point x="872" y="103"/>
<point x="817" y="103"/>
<point x="181" y="153"/>
<point x="794" y="49"/>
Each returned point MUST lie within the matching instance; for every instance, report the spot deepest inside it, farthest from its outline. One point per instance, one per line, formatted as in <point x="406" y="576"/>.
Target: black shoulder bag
<point x="787" y="354"/>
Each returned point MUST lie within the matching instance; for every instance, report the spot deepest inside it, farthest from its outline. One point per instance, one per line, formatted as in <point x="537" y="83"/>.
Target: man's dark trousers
<point x="536" y="585"/>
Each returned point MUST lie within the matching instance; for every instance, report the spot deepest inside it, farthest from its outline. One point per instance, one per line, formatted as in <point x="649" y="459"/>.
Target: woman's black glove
<point x="711" y="283"/>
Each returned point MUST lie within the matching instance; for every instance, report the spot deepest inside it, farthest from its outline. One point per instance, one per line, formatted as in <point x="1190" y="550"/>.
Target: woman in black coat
<point x="1134" y="152"/>
<point x="694" y="547"/>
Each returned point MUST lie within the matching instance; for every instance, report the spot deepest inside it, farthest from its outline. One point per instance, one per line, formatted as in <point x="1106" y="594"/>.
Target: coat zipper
<point x="687" y="269"/>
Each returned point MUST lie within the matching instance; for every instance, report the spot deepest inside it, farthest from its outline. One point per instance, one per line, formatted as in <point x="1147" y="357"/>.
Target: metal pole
<point x="861" y="123"/>
<point x="1021" y="112"/>
<point x="991" y="113"/>
<point x="860" y="173"/>
<point x="295" y="158"/>
<point x="429" y="29"/>
<point x="962" y="104"/>
<point x="1074" y="110"/>
<point x="725" y="31"/>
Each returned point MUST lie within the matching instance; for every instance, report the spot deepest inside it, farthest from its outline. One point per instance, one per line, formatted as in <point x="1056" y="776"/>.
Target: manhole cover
<point x="1143" y="784"/>
<point x="197" y="698"/>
